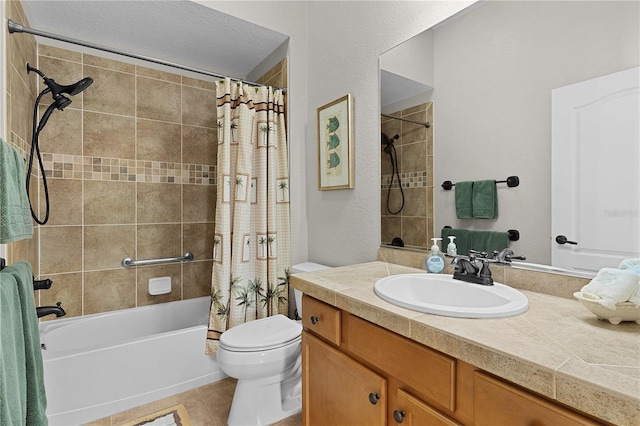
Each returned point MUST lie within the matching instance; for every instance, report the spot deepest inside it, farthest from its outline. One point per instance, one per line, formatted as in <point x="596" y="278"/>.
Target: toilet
<point x="265" y="356"/>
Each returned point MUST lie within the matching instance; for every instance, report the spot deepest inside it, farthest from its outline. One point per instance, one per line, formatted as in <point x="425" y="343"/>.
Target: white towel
<point x="631" y="265"/>
<point x="613" y="286"/>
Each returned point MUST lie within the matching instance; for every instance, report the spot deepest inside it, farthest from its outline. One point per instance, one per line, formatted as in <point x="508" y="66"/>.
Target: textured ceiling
<point x="176" y="31"/>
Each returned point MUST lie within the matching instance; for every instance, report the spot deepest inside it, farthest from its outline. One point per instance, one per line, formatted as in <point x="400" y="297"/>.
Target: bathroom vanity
<point x="366" y="361"/>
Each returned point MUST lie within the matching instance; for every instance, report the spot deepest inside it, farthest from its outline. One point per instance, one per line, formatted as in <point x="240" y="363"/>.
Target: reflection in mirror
<point x="486" y="75"/>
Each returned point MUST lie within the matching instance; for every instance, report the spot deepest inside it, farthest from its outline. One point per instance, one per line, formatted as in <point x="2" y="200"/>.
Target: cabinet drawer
<point x="496" y="403"/>
<point x="429" y="372"/>
<point x="412" y="411"/>
<point x="322" y="319"/>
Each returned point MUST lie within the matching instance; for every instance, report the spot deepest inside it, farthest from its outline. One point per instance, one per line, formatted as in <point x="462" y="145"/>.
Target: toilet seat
<point x="263" y="334"/>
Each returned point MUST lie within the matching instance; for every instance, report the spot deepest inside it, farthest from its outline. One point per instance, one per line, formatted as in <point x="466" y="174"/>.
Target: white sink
<point x="442" y="295"/>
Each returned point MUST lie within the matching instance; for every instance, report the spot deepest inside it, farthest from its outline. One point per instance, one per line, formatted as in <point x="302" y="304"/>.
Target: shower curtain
<point x="251" y="246"/>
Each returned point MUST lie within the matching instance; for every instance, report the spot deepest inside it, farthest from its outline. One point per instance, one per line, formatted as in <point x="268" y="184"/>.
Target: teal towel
<point x="13" y="388"/>
<point x="15" y="214"/>
<point x="486" y="241"/>
<point x="464" y="205"/>
<point x="485" y="199"/>
<point x="26" y="389"/>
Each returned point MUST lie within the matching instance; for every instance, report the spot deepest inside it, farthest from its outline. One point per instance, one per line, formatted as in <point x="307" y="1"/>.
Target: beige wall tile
<point x="99" y="62"/>
<point x="198" y="107"/>
<point x="112" y="92"/>
<point x="63" y="131"/>
<point x="199" y="145"/>
<point x="21" y="107"/>
<point x="106" y="246"/>
<point x="158" y="100"/>
<point x="109" y="202"/>
<point x="201" y="84"/>
<point x="198" y="239"/>
<point x="159" y="241"/>
<point x="145" y="273"/>
<point x="108" y="135"/>
<point x="158" y="141"/>
<point x="414" y="231"/>
<point x="109" y="290"/>
<point x="60" y="249"/>
<point x="197" y="279"/>
<point x="199" y="203"/>
<point x="63" y="72"/>
<point x="65" y="197"/>
<point x="157" y="74"/>
<point x="158" y="203"/>
<point x="67" y="289"/>
<point x="59" y="53"/>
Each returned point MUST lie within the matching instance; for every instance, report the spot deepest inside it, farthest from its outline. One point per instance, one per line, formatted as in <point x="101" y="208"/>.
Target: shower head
<point x="388" y="142"/>
<point x="58" y="90"/>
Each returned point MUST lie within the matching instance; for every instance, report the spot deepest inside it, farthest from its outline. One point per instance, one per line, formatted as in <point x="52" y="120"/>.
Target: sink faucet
<point x="48" y="310"/>
<point x="474" y="268"/>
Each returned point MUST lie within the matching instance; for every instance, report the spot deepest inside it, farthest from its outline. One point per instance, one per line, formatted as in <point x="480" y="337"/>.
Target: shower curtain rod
<point x="427" y="124"/>
<point x="17" y="28"/>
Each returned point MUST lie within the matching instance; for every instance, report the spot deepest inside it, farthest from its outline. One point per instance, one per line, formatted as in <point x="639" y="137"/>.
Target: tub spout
<point x="48" y="310"/>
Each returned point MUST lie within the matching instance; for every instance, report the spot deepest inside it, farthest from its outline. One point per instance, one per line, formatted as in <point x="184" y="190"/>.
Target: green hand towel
<point x="15" y="214"/>
<point x="33" y="372"/>
<point x="13" y="387"/>
<point x="489" y="241"/>
<point x="464" y="200"/>
<point x="485" y="199"/>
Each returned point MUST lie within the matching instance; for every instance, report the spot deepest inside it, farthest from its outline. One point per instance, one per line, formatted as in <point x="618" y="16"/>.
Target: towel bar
<point x="511" y="181"/>
<point x="128" y="262"/>
<point x="514" y="234"/>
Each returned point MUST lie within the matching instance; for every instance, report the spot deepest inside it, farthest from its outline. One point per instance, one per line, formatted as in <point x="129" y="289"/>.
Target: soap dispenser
<point x="435" y="260"/>
<point x="452" y="250"/>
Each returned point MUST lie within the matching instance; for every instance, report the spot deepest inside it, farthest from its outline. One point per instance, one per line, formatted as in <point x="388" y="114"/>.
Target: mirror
<point x="486" y="76"/>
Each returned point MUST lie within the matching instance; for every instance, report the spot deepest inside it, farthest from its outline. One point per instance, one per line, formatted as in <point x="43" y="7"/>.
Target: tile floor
<point x="207" y="406"/>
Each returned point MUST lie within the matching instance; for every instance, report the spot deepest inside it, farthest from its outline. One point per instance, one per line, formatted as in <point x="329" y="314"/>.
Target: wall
<point x="495" y="67"/>
<point x="414" y="151"/>
<point x="333" y="50"/>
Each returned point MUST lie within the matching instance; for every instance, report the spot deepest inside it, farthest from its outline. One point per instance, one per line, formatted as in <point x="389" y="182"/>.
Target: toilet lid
<point x="265" y="333"/>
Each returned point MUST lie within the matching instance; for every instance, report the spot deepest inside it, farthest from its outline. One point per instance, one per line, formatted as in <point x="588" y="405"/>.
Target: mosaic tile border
<point x="60" y="166"/>
<point x="409" y="180"/>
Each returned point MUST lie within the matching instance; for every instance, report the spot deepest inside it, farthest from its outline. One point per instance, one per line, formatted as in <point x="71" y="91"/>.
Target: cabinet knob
<point x="374" y="398"/>
<point x="398" y="416"/>
<point x="314" y="319"/>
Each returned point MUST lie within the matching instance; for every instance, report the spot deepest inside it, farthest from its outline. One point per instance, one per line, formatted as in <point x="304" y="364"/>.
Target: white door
<point x="595" y="179"/>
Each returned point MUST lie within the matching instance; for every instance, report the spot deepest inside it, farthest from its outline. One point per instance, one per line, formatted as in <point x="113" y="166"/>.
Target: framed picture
<point x="335" y="145"/>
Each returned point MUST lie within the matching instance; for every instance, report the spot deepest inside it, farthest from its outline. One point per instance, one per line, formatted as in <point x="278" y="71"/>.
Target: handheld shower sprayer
<point x="60" y="101"/>
<point x="390" y="149"/>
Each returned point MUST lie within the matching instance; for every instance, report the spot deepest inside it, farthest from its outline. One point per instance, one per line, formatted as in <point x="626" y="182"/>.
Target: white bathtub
<point x="101" y="364"/>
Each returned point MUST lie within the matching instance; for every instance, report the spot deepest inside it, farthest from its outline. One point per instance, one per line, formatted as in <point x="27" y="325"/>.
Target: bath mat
<point x="174" y="416"/>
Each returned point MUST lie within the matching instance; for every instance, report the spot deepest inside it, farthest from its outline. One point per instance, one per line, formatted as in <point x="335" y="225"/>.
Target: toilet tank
<point x="296" y="269"/>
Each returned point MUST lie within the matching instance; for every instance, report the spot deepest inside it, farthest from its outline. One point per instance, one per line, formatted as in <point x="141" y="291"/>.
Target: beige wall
<point x="414" y="148"/>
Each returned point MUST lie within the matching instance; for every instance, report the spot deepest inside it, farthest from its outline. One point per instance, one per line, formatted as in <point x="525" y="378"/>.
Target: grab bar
<point x="128" y="262"/>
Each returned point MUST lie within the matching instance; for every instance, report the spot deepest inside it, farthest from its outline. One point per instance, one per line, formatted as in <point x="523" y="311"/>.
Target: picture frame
<point x="335" y="145"/>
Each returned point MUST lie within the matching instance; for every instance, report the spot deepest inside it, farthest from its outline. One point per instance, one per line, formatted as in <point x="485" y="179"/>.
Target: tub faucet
<point x="48" y="310"/>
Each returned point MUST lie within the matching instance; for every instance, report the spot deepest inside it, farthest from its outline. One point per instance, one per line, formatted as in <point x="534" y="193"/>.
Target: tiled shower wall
<point x="414" y="149"/>
<point x="21" y="95"/>
<point x="130" y="167"/>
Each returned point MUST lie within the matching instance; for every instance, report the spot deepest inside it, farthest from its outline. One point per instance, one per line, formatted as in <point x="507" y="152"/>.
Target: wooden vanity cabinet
<point x="357" y="373"/>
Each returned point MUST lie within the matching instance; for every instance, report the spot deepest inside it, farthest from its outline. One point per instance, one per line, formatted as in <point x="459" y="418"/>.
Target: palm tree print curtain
<point x="251" y="254"/>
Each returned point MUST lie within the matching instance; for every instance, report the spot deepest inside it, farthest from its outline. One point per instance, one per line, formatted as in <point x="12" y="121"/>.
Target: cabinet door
<point x="338" y="390"/>
<point x="498" y="403"/>
<point x="413" y="412"/>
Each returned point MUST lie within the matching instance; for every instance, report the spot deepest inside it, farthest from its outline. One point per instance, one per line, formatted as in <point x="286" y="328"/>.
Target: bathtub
<point x="101" y="364"/>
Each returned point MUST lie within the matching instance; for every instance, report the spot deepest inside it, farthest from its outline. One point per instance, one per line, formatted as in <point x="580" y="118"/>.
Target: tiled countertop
<point x="557" y="348"/>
